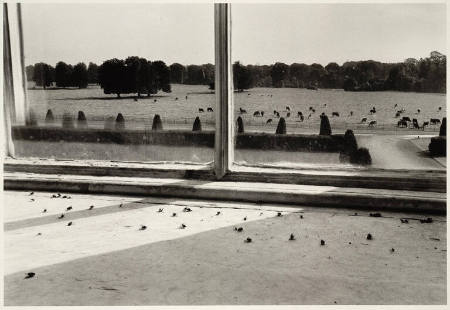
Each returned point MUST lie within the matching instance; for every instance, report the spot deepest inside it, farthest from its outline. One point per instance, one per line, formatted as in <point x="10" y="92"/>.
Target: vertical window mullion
<point x="8" y="87"/>
<point x="224" y="145"/>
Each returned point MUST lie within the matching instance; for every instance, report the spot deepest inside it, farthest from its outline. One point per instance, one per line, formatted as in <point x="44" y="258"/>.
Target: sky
<point x="261" y="33"/>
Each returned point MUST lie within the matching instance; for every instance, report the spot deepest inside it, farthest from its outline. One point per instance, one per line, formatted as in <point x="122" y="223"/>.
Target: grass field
<point x="390" y="147"/>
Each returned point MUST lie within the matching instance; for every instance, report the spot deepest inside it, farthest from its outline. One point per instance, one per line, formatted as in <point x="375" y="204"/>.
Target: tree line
<point x="138" y="75"/>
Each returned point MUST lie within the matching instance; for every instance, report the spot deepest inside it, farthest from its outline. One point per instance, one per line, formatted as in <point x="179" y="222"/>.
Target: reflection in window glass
<point x="340" y="85"/>
<point x="118" y="82"/>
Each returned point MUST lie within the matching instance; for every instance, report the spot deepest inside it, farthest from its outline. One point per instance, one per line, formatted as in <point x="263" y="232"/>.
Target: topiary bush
<point x="157" y="123"/>
<point x="438" y="146"/>
<point x="350" y="144"/>
<point x="240" y="125"/>
<point x="443" y="129"/>
<point x="281" y="128"/>
<point x="361" y="157"/>
<point x="197" y="125"/>
<point x="325" y="127"/>
<point x="120" y="121"/>
<point x="68" y="120"/>
<point x="81" y="120"/>
<point x="31" y="120"/>
<point x="49" y="118"/>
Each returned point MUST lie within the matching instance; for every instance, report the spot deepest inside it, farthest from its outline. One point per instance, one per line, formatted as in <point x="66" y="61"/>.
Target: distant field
<point x="182" y="112"/>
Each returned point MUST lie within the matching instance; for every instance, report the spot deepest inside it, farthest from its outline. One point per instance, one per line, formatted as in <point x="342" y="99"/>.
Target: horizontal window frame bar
<point x="429" y="180"/>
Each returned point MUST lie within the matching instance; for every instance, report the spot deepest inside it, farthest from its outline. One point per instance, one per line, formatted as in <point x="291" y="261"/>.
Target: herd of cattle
<point x="404" y="122"/>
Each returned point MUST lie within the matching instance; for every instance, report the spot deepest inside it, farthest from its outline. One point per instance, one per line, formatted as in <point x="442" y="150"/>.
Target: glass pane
<point x="312" y="72"/>
<point x="119" y="82"/>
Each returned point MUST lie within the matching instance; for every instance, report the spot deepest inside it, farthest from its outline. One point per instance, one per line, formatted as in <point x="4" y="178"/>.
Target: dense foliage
<point x="137" y="75"/>
<point x="134" y="75"/>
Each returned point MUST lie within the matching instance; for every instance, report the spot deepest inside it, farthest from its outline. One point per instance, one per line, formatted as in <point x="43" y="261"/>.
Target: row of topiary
<point x="111" y="123"/>
<point x="349" y="153"/>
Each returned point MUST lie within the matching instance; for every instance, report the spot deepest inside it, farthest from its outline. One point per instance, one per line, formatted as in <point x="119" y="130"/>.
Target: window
<point x="300" y="155"/>
<point x="122" y="82"/>
<point x="317" y="89"/>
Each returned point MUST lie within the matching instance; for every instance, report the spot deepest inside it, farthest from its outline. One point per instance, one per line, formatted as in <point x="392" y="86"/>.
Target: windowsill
<point x="422" y="180"/>
<point x="257" y="192"/>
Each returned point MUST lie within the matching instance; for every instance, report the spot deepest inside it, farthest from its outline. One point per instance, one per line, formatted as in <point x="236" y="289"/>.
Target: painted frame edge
<point x="224" y="146"/>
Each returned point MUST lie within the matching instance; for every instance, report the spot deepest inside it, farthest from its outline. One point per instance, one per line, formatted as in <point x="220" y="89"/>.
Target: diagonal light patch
<point x="20" y="205"/>
<point x="25" y="250"/>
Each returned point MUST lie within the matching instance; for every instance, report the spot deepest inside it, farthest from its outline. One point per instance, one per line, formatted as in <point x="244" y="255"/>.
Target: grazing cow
<point x="301" y="118"/>
<point x="435" y="121"/>
<point x="269" y="121"/>
<point x="324" y="104"/>
<point x="406" y="119"/>
<point x="402" y="123"/>
<point x="155" y="100"/>
<point x="299" y="113"/>
<point x="313" y="110"/>
<point x="373" y="111"/>
<point x="440" y="108"/>
<point x="397" y="114"/>
<point x="200" y="110"/>
<point x="275" y="112"/>
<point x="288" y="108"/>
<point x="335" y="114"/>
<point x="257" y="113"/>
<point x="209" y="110"/>
<point x="288" y="114"/>
<point x="242" y="111"/>
<point x="278" y="114"/>
<point x="176" y="98"/>
<point x="262" y="113"/>
<point x="310" y="108"/>
<point x="425" y="124"/>
<point x="415" y="123"/>
<point x="372" y="123"/>
<point x="364" y="119"/>
<point x="418" y="111"/>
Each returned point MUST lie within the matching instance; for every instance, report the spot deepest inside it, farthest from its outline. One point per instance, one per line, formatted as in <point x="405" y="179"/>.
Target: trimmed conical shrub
<point x="109" y="123"/>
<point x="350" y="144"/>
<point x="325" y="127"/>
<point x="443" y="129"/>
<point x="81" y="120"/>
<point x="120" y="121"/>
<point x="281" y="128"/>
<point x="240" y="125"/>
<point x="157" y="123"/>
<point x="197" y="125"/>
<point x="49" y="118"/>
<point x="67" y="120"/>
<point x="31" y="120"/>
<point x="361" y="157"/>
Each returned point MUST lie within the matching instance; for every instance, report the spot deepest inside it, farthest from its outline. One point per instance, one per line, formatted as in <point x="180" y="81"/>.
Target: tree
<point x="242" y="78"/>
<point x="279" y="73"/>
<point x="80" y="75"/>
<point x="111" y="75"/>
<point x="178" y="73"/>
<point x="63" y="74"/>
<point x="29" y="70"/>
<point x="299" y="74"/>
<point x="43" y="74"/>
<point x="161" y="76"/>
<point x="92" y="73"/>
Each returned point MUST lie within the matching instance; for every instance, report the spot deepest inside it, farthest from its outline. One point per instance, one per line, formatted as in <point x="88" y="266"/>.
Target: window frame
<point x="223" y="167"/>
